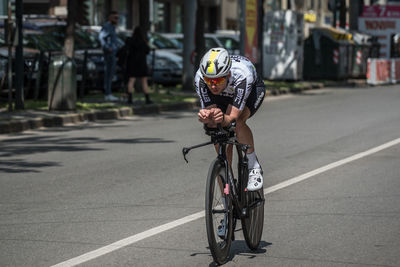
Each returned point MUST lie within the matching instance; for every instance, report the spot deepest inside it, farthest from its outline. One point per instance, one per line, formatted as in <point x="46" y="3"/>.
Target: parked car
<point x="50" y="47"/>
<point x="30" y="56"/>
<point x="47" y="36"/>
<point x="164" y="61"/>
<point x="167" y="67"/>
<point x="228" y="41"/>
<point x="88" y="53"/>
<point x="2" y="41"/>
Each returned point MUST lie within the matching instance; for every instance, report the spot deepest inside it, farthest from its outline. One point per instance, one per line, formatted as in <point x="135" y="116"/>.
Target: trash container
<point x="375" y="48"/>
<point x="328" y="54"/>
<point x="62" y="83"/>
<point x="361" y="52"/>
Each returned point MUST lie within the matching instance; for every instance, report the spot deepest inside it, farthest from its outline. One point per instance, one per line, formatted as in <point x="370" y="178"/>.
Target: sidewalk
<point x="19" y="121"/>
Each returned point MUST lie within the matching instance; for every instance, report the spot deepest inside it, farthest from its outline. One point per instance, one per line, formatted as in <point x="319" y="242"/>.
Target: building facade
<point x="168" y="15"/>
<point x="163" y="15"/>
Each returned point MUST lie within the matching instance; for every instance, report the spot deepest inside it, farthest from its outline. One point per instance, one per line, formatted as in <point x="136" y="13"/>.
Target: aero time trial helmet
<point x="215" y="63"/>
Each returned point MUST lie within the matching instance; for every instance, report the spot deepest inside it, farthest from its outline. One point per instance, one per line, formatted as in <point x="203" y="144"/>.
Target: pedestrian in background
<point x="136" y="66"/>
<point x="109" y="43"/>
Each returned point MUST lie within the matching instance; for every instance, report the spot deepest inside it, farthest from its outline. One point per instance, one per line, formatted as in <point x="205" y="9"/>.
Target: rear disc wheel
<point x="253" y="223"/>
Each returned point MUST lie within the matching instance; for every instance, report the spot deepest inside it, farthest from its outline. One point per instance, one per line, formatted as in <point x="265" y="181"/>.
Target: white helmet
<point x="215" y="63"/>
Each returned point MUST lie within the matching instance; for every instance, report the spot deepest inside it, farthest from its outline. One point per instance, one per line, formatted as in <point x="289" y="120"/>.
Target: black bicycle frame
<point x="236" y="190"/>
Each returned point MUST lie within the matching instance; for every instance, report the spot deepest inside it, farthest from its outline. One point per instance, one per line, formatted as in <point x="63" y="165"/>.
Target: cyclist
<point x="230" y="90"/>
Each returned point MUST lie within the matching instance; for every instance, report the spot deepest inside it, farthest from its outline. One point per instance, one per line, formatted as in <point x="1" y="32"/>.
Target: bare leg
<point x="243" y="132"/>
<point x="131" y="83"/>
<point x="144" y="85"/>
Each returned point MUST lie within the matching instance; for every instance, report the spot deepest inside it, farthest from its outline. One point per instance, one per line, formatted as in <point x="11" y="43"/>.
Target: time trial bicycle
<point x="227" y="198"/>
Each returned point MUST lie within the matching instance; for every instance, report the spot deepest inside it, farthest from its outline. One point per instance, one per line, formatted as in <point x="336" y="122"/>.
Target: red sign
<point x="380" y="25"/>
<point x="382" y="22"/>
<point x="381" y="12"/>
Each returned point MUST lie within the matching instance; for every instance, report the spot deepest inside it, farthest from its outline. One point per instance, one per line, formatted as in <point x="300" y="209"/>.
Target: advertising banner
<point x="283" y="45"/>
<point x="251" y="38"/>
<point x="382" y="22"/>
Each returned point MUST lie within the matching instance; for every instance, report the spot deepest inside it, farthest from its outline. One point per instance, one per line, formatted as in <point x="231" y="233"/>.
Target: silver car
<point x="164" y="61"/>
<point x="229" y="41"/>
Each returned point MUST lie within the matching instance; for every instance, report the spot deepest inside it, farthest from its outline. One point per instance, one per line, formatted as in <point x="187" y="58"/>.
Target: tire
<point x="219" y="247"/>
<point x="253" y="223"/>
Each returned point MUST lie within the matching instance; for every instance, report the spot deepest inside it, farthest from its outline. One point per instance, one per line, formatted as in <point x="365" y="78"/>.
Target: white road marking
<point x="165" y="227"/>
<point x="330" y="166"/>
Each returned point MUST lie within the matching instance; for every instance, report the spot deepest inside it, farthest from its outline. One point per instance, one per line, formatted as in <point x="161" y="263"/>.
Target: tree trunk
<point x="189" y="26"/>
<point x="19" y="59"/>
<point x="69" y="36"/>
<point x="199" y="34"/>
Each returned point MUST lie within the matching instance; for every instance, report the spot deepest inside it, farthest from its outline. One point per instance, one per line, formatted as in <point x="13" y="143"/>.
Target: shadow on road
<point x="240" y="248"/>
<point x="22" y="166"/>
<point x="139" y="141"/>
<point x="13" y="149"/>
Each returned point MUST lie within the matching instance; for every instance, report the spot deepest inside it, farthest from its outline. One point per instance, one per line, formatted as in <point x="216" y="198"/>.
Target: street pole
<point x="334" y="15"/>
<point x="19" y="58"/>
<point x="260" y="29"/>
<point x="355" y="11"/>
<point x="342" y="14"/>
<point x="242" y="8"/>
<point x="151" y="15"/>
<point x="10" y="58"/>
<point x="189" y="25"/>
<point x="199" y="33"/>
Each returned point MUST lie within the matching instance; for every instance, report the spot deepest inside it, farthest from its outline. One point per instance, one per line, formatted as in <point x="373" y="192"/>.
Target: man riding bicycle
<point x="230" y="90"/>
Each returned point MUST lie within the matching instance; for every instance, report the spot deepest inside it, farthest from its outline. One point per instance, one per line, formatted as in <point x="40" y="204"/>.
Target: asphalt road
<point x="96" y="194"/>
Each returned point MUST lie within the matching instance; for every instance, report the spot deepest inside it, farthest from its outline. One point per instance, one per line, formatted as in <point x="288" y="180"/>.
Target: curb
<point x="295" y="90"/>
<point x="20" y="125"/>
<point x="347" y="83"/>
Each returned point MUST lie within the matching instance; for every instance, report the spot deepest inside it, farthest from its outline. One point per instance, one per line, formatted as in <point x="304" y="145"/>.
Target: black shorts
<point x="253" y="101"/>
<point x="256" y="96"/>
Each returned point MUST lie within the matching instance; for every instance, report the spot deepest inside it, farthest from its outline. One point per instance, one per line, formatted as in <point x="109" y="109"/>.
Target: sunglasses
<point x="215" y="81"/>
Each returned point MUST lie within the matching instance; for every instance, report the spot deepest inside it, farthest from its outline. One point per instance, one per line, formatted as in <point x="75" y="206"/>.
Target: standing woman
<point x="138" y="49"/>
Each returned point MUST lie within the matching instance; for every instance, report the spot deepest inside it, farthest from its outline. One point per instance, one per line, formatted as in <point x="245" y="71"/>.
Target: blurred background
<point x="288" y="40"/>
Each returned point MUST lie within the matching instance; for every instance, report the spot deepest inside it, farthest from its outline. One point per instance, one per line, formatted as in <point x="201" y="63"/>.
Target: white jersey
<point x="241" y="82"/>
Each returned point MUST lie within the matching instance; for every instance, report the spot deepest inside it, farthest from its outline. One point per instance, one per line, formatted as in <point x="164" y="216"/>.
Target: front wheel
<point x="218" y="209"/>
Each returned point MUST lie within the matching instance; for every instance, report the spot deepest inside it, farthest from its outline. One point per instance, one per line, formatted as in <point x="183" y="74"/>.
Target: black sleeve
<point x="204" y="94"/>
